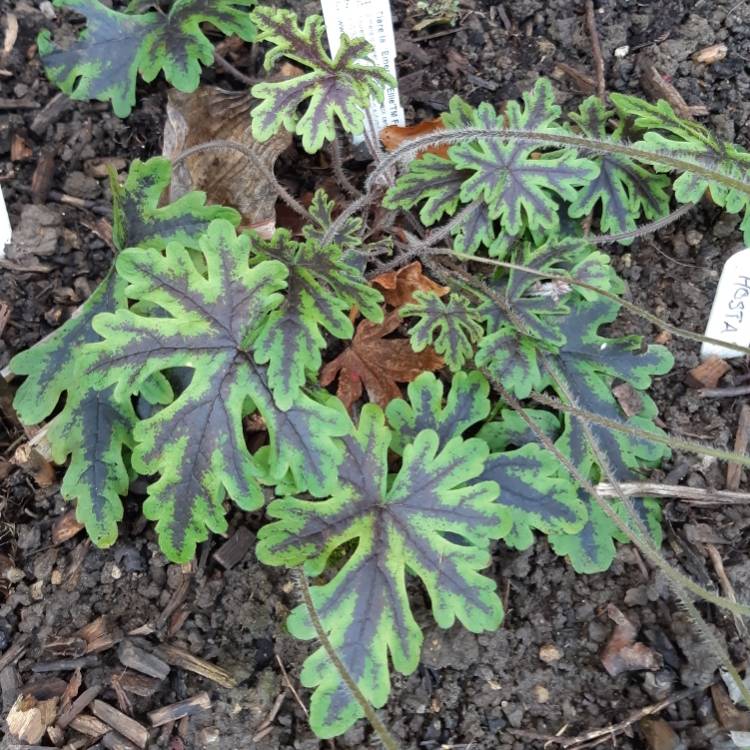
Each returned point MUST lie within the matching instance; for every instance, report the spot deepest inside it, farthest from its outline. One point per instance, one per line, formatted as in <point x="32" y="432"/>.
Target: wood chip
<point x="73" y="571"/>
<point x="127" y="727"/>
<point x="41" y="180"/>
<point x="114" y="741"/>
<point x="89" y="725"/>
<point x="56" y="735"/>
<point x="711" y="55"/>
<point x="235" y="548"/>
<point x="28" y="719"/>
<point x="81" y="703"/>
<point x="15" y="652"/>
<point x="45" y="688"/>
<point x="57" y="106"/>
<point x="708" y="373"/>
<point x="32" y="460"/>
<point x="179" y="657"/>
<point x="658" y="87"/>
<point x="65" y="665"/>
<point x="10" y="686"/>
<point x="65" y="527"/>
<point x="11" y="34"/>
<point x="19" y="148"/>
<point x="195" y="705"/>
<point x="71" y="691"/>
<point x="741" y="440"/>
<point x="140" y="660"/>
<point x="137" y="684"/>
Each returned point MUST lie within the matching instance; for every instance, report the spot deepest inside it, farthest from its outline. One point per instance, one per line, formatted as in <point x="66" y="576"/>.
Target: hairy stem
<point x="592" y="145"/>
<point x="639" y="535"/>
<point x="388" y="740"/>
<point x="647" y="549"/>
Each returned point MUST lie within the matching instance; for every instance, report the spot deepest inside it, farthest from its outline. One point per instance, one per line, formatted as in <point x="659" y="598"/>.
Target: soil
<point x="479" y="691"/>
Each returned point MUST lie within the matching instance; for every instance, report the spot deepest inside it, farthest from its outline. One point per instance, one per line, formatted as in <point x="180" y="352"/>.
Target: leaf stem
<point x="388" y="740"/>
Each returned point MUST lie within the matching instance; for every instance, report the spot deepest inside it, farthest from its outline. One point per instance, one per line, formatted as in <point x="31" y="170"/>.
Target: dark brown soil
<point x="470" y="691"/>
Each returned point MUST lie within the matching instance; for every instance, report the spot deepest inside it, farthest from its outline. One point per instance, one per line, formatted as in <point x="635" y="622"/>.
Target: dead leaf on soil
<point x="227" y="177"/>
<point x="622" y="653"/>
<point x="393" y="136"/>
<point x="397" y="287"/>
<point x="659" y="735"/>
<point x="730" y="717"/>
<point x="376" y="364"/>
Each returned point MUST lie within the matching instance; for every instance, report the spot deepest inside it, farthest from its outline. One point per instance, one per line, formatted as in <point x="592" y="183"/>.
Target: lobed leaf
<point x="466" y="404"/>
<point x="207" y="320"/>
<point x="377" y="364"/>
<point x="623" y="191"/>
<point x="386" y="529"/>
<point x="451" y="327"/>
<point x="337" y="88"/>
<point x="105" y="60"/>
<point x="583" y="372"/>
<point x="321" y="288"/>
<point x="663" y="131"/>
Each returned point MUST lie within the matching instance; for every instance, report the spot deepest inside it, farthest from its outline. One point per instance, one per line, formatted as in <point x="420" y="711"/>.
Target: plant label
<point x="730" y="313"/>
<point x="372" y="20"/>
<point x="5" y="231"/>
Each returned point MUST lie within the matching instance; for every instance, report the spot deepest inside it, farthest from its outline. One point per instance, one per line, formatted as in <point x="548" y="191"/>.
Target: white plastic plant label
<point x="5" y="231"/>
<point x="372" y="20"/>
<point x="730" y="313"/>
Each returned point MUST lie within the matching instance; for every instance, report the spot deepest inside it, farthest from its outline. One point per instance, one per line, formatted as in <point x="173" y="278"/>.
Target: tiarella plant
<point x="509" y="420"/>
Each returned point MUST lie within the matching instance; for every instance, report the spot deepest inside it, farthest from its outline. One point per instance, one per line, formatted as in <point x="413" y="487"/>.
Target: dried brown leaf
<point x="228" y="177"/>
<point x="398" y="287"/>
<point x="377" y="364"/>
<point x="622" y="653"/>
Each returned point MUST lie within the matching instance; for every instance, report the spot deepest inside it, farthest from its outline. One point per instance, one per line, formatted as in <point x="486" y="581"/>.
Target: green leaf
<point x="94" y="428"/>
<point x="665" y="132"/>
<point x="115" y="47"/>
<point x="535" y="493"/>
<point x="321" y="289"/>
<point x="384" y="528"/>
<point x="451" y="327"/>
<point x="333" y="89"/>
<point x="466" y="404"/>
<point x="511" y="359"/>
<point x="584" y="371"/>
<point x="349" y="235"/>
<point x="207" y="321"/>
<point x="518" y="182"/>
<point x="623" y="190"/>
<point x="139" y="219"/>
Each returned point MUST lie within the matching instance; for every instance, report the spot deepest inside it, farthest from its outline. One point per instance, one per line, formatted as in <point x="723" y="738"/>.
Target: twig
<point x="596" y="50"/>
<point x="692" y="495"/>
<point x="739" y="390"/>
<point x="734" y="471"/>
<point x="612" y="729"/>
<point x="288" y="683"/>
<point x="726" y="587"/>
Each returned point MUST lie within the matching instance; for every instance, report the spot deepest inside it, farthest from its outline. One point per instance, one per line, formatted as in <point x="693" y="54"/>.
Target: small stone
<point x="622" y="52"/>
<point x="56" y="578"/>
<point x="693" y="237"/>
<point x="37" y="233"/>
<point x="37" y="591"/>
<point x="80" y="185"/>
<point x="207" y="736"/>
<point x="541" y="694"/>
<point x="549" y="653"/>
